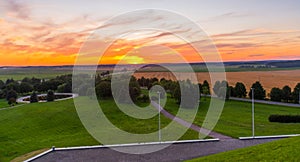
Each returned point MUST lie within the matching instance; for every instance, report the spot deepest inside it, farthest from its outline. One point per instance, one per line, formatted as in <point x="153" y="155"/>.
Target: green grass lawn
<point x="236" y="121"/>
<point x="42" y="125"/>
<point x="3" y="103"/>
<point x="281" y="150"/>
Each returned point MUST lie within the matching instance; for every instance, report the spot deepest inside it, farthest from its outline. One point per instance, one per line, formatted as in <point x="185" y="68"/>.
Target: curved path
<point x="190" y="125"/>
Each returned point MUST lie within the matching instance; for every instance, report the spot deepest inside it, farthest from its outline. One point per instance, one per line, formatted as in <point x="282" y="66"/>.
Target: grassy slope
<point x="235" y="120"/>
<point x="3" y="103"/>
<point x="42" y="125"/>
<point x="282" y="150"/>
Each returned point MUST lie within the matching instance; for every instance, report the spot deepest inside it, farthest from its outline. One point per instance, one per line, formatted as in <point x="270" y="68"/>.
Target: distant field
<point x="20" y="73"/>
<point x="282" y="150"/>
<point x="268" y="79"/>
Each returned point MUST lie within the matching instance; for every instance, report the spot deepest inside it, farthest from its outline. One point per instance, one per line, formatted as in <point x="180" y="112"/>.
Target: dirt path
<point x="190" y="125"/>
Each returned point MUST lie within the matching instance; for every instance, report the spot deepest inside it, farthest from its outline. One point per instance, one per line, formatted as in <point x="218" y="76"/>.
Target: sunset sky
<point x="35" y="32"/>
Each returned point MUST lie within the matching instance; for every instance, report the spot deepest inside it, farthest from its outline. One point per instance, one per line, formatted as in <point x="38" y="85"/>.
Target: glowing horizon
<point x="37" y="33"/>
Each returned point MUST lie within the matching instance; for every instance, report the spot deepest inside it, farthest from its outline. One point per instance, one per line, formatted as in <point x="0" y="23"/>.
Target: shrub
<point x="143" y="98"/>
<point x="285" y="118"/>
<point x="50" y="96"/>
<point x="34" y="98"/>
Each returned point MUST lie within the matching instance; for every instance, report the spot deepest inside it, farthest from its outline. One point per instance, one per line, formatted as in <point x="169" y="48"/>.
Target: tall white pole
<point x="253" y="131"/>
<point x="159" y="132"/>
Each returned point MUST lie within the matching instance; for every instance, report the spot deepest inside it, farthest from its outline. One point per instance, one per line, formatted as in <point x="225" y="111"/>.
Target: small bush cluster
<point x="285" y="118"/>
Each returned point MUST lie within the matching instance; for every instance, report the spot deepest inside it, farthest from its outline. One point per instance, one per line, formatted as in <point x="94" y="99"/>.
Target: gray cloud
<point x="20" y="10"/>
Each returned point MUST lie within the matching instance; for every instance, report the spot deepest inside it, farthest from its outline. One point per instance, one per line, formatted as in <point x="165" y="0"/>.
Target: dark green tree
<point x="259" y="91"/>
<point x="276" y="94"/>
<point x="221" y="89"/>
<point x="34" y="98"/>
<point x="286" y="93"/>
<point x="205" y="84"/>
<point x="11" y="97"/>
<point x="187" y="95"/>
<point x="50" y="96"/>
<point x="25" y="87"/>
<point x="2" y="84"/>
<point x="295" y="93"/>
<point x="240" y="90"/>
<point x="103" y="90"/>
<point x="216" y="88"/>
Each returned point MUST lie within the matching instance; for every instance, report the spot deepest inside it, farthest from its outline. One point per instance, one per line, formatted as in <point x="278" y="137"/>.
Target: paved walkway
<point x="190" y="125"/>
<point x="175" y="152"/>
<point x="265" y="102"/>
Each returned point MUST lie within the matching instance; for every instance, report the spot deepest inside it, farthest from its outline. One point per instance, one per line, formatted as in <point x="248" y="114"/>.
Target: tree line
<point x="10" y="89"/>
<point x="284" y="94"/>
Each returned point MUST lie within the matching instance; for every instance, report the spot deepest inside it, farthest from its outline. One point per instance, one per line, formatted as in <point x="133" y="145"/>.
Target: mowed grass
<point x="142" y="126"/>
<point x="281" y="150"/>
<point x="235" y="120"/>
<point x="3" y="103"/>
<point x="42" y="125"/>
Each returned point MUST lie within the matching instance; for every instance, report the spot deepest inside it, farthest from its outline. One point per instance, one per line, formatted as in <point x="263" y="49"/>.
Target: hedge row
<point x="285" y="118"/>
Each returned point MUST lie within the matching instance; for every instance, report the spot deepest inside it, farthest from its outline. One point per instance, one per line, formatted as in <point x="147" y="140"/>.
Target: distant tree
<point x="9" y="81"/>
<point x="200" y="87"/>
<point x="177" y="94"/>
<point x="286" y="93"/>
<point x="65" y="88"/>
<point x="231" y="91"/>
<point x="187" y="95"/>
<point x="205" y="90"/>
<point x="275" y="94"/>
<point x="26" y="80"/>
<point x="240" y="90"/>
<point x="25" y="87"/>
<point x="2" y="84"/>
<point x="50" y="96"/>
<point x="11" y="97"/>
<point x="221" y="89"/>
<point x="295" y="93"/>
<point x="34" y="98"/>
<point x="13" y="85"/>
<point x="2" y="93"/>
<point x="205" y="84"/>
<point x="216" y="88"/>
<point x="103" y="90"/>
<point x="259" y="91"/>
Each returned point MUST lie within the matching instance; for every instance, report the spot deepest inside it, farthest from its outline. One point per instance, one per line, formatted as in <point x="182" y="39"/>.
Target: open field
<point x="268" y="79"/>
<point x="282" y="150"/>
<point x="20" y="73"/>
